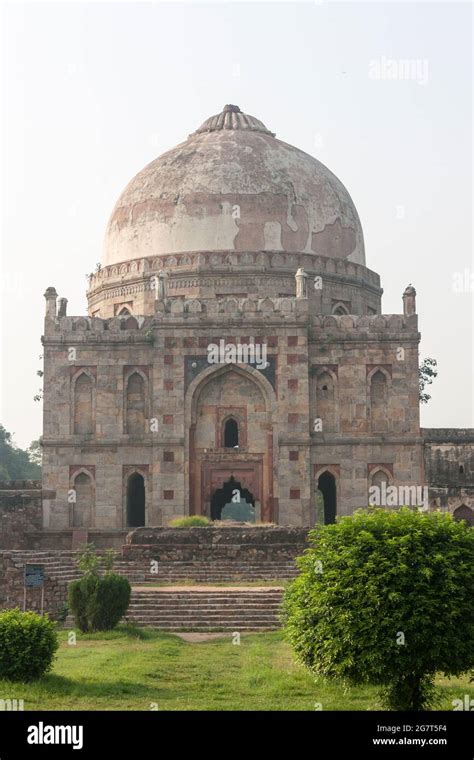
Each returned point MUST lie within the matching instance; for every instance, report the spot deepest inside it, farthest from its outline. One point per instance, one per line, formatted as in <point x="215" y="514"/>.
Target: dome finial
<point x="232" y="118"/>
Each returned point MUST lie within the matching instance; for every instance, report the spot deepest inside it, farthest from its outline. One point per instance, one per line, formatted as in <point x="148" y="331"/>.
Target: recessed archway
<point x="231" y="434"/>
<point x="210" y="402"/>
<point x="135" y="501"/>
<point x="327" y="488"/>
<point x="233" y="495"/>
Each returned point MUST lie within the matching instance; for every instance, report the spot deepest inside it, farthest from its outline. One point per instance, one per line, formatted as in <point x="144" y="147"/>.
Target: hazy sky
<point x="93" y="92"/>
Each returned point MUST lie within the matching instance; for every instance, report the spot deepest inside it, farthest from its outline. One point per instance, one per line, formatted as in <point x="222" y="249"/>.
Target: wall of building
<point x="204" y="275"/>
<point x="51" y="598"/>
<point x="360" y="433"/>
<point x="180" y="455"/>
<point x="449" y="468"/>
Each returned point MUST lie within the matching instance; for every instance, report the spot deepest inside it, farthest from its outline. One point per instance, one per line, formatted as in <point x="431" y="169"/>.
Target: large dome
<point x="233" y="186"/>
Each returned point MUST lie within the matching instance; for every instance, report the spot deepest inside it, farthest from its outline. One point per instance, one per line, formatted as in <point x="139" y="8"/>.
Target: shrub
<point x="111" y="601"/>
<point x="98" y="603"/>
<point x="28" y="643"/>
<point x="193" y="521"/>
<point x="386" y="598"/>
<point x="88" y="561"/>
<point x="81" y="600"/>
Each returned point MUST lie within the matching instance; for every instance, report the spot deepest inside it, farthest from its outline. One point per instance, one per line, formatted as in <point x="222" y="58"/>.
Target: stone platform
<point x="151" y="556"/>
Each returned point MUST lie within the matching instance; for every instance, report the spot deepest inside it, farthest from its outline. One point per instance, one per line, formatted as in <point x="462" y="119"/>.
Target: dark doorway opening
<point x="231" y="434"/>
<point x="136" y="501"/>
<point x="327" y="486"/>
<point x="223" y="496"/>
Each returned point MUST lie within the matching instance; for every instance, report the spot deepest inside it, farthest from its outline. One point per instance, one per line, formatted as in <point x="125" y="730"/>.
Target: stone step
<point x="204" y="610"/>
<point x="204" y="614"/>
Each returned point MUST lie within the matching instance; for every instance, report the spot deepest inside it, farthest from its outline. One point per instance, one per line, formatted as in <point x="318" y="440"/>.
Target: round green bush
<point x="386" y="598"/>
<point x="98" y="604"/>
<point x="193" y="521"/>
<point x="28" y="643"/>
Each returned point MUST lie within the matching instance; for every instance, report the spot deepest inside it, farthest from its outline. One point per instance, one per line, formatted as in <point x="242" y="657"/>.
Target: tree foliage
<point x="386" y="598"/>
<point x="426" y="374"/>
<point x="15" y="463"/>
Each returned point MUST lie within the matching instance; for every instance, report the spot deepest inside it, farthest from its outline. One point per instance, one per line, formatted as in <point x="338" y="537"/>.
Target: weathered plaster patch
<point x="334" y="240"/>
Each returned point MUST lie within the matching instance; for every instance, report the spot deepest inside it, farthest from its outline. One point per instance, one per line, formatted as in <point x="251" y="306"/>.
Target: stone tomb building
<point x="238" y="237"/>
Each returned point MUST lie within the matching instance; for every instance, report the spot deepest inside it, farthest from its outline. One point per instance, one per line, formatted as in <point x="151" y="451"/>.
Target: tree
<point x="426" y="375"/>
<point x="15" y="463"/>
<point x="385" y="597"/>
<point x="35" y="453"/>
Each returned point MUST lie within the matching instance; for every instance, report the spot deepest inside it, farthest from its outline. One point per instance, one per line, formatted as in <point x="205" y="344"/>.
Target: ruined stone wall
<point x="12" y="593"/>
<point x="449" y="467"/>
<point x="20" y="513"/>
<point x="233" y="544"/>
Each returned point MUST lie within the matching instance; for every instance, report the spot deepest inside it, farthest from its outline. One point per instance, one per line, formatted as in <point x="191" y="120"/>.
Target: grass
<point x="143" y="669"/>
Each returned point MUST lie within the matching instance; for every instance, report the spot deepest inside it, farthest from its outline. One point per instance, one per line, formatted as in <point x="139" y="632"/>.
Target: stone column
<point x="62" y="307"/>
<point x="301" y="277"/>
<point x="409" y="300"/>
<point x="51" y="296"/>
<point x="160" y="286"/>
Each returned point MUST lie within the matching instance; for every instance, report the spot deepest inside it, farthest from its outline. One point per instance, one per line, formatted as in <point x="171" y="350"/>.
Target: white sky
<point x="93" y="92"/>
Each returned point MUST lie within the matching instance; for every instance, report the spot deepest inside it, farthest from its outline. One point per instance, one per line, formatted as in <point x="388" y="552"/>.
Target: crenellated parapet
<point x="252" y="308"/>
<point x="375" y="327"/>
<point x="90" y="329"/>
<point x="137" y="328"/>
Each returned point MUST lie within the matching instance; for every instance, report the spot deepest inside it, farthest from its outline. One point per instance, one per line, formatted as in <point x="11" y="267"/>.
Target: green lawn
<point x="142" y="669"/>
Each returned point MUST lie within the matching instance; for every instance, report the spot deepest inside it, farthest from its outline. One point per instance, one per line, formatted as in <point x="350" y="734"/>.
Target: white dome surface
<point x="233" y="186"/>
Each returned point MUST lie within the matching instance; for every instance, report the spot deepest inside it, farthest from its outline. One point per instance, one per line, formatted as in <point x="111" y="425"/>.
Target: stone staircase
<point x="206" y="609"/>
<point x="201" y="606"/>
<point x="61" y="565"/>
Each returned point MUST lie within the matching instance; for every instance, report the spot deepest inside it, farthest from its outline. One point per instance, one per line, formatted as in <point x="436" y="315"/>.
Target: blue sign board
<point x="34" y="576"/>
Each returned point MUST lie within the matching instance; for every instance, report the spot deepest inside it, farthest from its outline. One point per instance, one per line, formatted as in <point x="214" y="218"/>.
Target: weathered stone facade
<point x="20" y="513"/>
<point x="232" y="236"/>
<point x="449" y="467"/>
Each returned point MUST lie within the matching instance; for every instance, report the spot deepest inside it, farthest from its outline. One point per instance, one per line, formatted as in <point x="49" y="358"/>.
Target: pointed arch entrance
<point x="327" y="496"/>
<point x="136" y="501"/>
<point x="230" y="412"/>
<point x="233" y="499"/>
